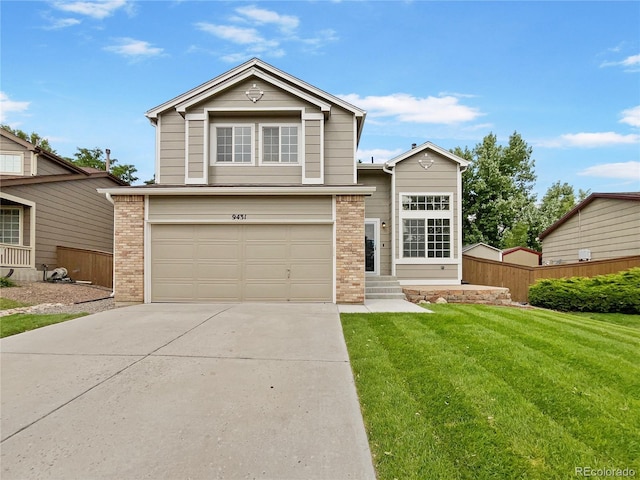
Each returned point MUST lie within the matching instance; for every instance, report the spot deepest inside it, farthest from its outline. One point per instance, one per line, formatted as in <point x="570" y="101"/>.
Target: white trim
<point x="312" y="116"/>
<point x="183" y="106"/>
<point x="376" y="256"/>
<point x="20" y="210"/>
<point x="243" y="190"/>
<point x="147" y="253"/>
<point x="279" y="163"/>
<point x="214" y="144"/>
<point x="210" y="221"/>
<point x="312" y="180"/>
<point x="32" y="222"/>
<point x="458" y="231"/>
<point x="34" y="164"/>
<point x="335" y="248"/>
<point x="187" y="179"/>
<point x="426" y="214"/>
<point x="428" y="282"/>
<point x="158" y="127"/>
<point x="196" y="116"/>
<point x="431" y="146"/>
<point x="14" y="153"/>
<point x="355" y="150"/>
<point x="394" y="219"/>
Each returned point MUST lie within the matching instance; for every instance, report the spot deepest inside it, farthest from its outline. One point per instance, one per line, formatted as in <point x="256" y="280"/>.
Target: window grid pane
<point x="270" y="144"/>
<point x="242" y="144"/>
<point x="438" y="238"/>
<point x="289" y="143"/>
<point x="224" y="144"/>
<point x="10" y="226"/>
<point x="413" y="238"/>
<point x="10" y="163"/>
<point x="425" y="202"/>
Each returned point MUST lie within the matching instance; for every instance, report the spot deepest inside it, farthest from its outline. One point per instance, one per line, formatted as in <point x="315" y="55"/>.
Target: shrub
<point x="617" y="292"/>
<point x="6" y="282"/>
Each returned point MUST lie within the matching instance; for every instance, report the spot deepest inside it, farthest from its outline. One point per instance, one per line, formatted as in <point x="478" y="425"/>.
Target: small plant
<point x="6" y="282"/>
<point x="618" y="292"/>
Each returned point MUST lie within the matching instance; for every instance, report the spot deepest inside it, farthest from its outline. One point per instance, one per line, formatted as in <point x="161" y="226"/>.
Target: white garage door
<point x="217" y="263"/>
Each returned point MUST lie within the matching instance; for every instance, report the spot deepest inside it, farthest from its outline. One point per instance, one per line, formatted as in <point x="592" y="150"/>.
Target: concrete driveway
<point x="183" y="392"/>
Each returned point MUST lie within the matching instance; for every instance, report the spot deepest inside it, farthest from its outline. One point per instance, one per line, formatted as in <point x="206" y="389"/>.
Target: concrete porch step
<point x="386" y="296"/>
<point x="383" y="287"/>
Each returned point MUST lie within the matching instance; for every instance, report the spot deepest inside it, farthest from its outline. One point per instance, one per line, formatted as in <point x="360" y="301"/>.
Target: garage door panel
<point x="201" y="263"/>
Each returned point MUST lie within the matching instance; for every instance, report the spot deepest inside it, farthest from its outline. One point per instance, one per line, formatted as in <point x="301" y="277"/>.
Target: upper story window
<point x="425" y="202"/>
<point x="426" y="222"/>
<point x="11" y="163"/>
<point x="280" y="144"/>
<point x="234" y="144"/>
<point x="10" y="225"/>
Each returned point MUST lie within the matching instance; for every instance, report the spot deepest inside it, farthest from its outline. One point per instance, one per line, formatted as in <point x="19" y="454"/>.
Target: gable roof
<point x="74" y="172"/>
<point x="466" y="248"/>
<point x="269" y="73"/>
<point x="631" y="196"/>
<point x="429" y="146"/>
<point x="507" y="251"/>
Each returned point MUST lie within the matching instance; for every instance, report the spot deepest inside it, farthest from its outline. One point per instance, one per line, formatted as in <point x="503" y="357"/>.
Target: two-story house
<point x="259" y="197"/>
<point x="47" y="202"/>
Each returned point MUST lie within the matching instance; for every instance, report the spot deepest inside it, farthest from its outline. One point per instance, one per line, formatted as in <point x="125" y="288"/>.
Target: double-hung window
<point x="234" y="144"/>
<point x="279" y="144"/>
<point x="10" y="225"/>
<point x="426" y="222"/>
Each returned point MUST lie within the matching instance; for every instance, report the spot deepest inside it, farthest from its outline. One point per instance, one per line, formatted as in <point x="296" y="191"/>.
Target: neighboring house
<point x="259" y="197"/>
<point x="46" y="202"/>
<point x="602" y="226"/>
<point x="522" y="256"/>
<point x="482" y="250"/>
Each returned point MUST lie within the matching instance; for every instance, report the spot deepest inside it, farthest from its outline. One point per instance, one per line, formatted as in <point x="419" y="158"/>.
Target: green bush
<point x="617" y="292"/>
<point x="6" y="282"/>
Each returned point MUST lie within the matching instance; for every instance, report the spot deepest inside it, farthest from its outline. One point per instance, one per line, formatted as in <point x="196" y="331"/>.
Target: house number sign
<point x="239" y="216"/>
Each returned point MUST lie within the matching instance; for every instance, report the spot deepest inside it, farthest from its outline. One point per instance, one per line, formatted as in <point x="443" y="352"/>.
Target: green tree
<point x="497" y="198"/>
<point x="94" y="158"/>
<point x="32" y="137"/>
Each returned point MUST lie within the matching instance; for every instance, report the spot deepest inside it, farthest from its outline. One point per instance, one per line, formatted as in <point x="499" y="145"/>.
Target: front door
<point x="371" y="246"/>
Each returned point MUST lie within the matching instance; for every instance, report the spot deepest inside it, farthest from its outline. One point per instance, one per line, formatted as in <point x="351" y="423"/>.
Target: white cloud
<point x="60" y="23"/>
<point x="95" y="9"/>
<point x="631" y="116"/>
<point x="380" y="155"/>
<point x="630" y="64"/>
<point x="622" y="170"/>
<point x="260" y="16"/>
<point x="10" y="106"/>
<point x="133" y="48"/>
<point x="407" y="108"/>
<point x="598" y="139"/>
<point x="239" y="35"/>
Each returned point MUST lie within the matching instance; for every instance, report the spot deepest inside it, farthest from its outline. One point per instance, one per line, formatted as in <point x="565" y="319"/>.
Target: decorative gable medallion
<point x="426" y="162"/>
<point x="254" y="93"/>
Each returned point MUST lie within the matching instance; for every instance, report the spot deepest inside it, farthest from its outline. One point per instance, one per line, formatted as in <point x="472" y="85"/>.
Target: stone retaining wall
<point x="455" y="294"/>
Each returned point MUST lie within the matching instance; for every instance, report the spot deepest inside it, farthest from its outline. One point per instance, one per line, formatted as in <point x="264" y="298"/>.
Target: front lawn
<point x="21" y="322"/>
<point x="479" y="392"/>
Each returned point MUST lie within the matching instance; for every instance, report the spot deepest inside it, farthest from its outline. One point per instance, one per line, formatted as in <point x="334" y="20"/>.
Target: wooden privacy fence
<point x="518" y="278"/>
<point x="88" y="265"/>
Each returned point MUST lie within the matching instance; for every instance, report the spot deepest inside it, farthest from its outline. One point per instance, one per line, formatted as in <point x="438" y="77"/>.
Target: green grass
<point x="632" y="321"/>
<point x="479" y="392"/>
<point x="7" y="303"/>
<point x="22" y="322"/>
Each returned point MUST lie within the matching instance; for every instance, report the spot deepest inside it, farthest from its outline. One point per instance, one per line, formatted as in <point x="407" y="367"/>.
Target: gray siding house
<point x="46" y="202"/>
<point x="259" y="197"/>
<point x="602" y="226"/>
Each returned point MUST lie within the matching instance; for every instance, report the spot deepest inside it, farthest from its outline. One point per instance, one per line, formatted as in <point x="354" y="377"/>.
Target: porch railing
<point x="15" y="255"/>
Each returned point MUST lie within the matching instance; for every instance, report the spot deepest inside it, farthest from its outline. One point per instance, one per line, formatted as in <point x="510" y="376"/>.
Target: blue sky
<point x="565" y="75"/>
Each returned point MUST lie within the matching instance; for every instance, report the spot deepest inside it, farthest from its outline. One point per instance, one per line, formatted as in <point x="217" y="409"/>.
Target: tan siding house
<point x="482" y="250"/>
<point x="602" y="226"/>
<point x="48" y="202"/>
<point x="259" y="197"/>
<point x="522" y="256"/>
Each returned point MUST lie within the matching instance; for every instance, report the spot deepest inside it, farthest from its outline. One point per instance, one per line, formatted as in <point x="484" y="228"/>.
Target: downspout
<point x="392" y="220"/>
<point x="113" y="268"/>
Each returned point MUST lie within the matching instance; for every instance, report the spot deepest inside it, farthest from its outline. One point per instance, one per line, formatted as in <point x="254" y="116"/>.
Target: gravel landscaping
<point x="44" y="297"/>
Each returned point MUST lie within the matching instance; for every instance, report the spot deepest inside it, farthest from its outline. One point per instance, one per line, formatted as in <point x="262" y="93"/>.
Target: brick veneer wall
<point x="350" y="249"/>
<point x="128" y="256"/>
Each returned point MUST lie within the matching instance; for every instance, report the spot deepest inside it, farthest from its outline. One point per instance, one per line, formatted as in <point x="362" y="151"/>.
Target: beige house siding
<point x="47" y="167"/>
<point x="256" y="209"/>
<point x="10" y="147"/>
<point x="171" y="129"/>
<point x="378" y="206"/>
<point x="433" y="272"/>
<point x="339" y="148"/>
<point x="70" y="214"/>
<point x="608" y="227"/>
